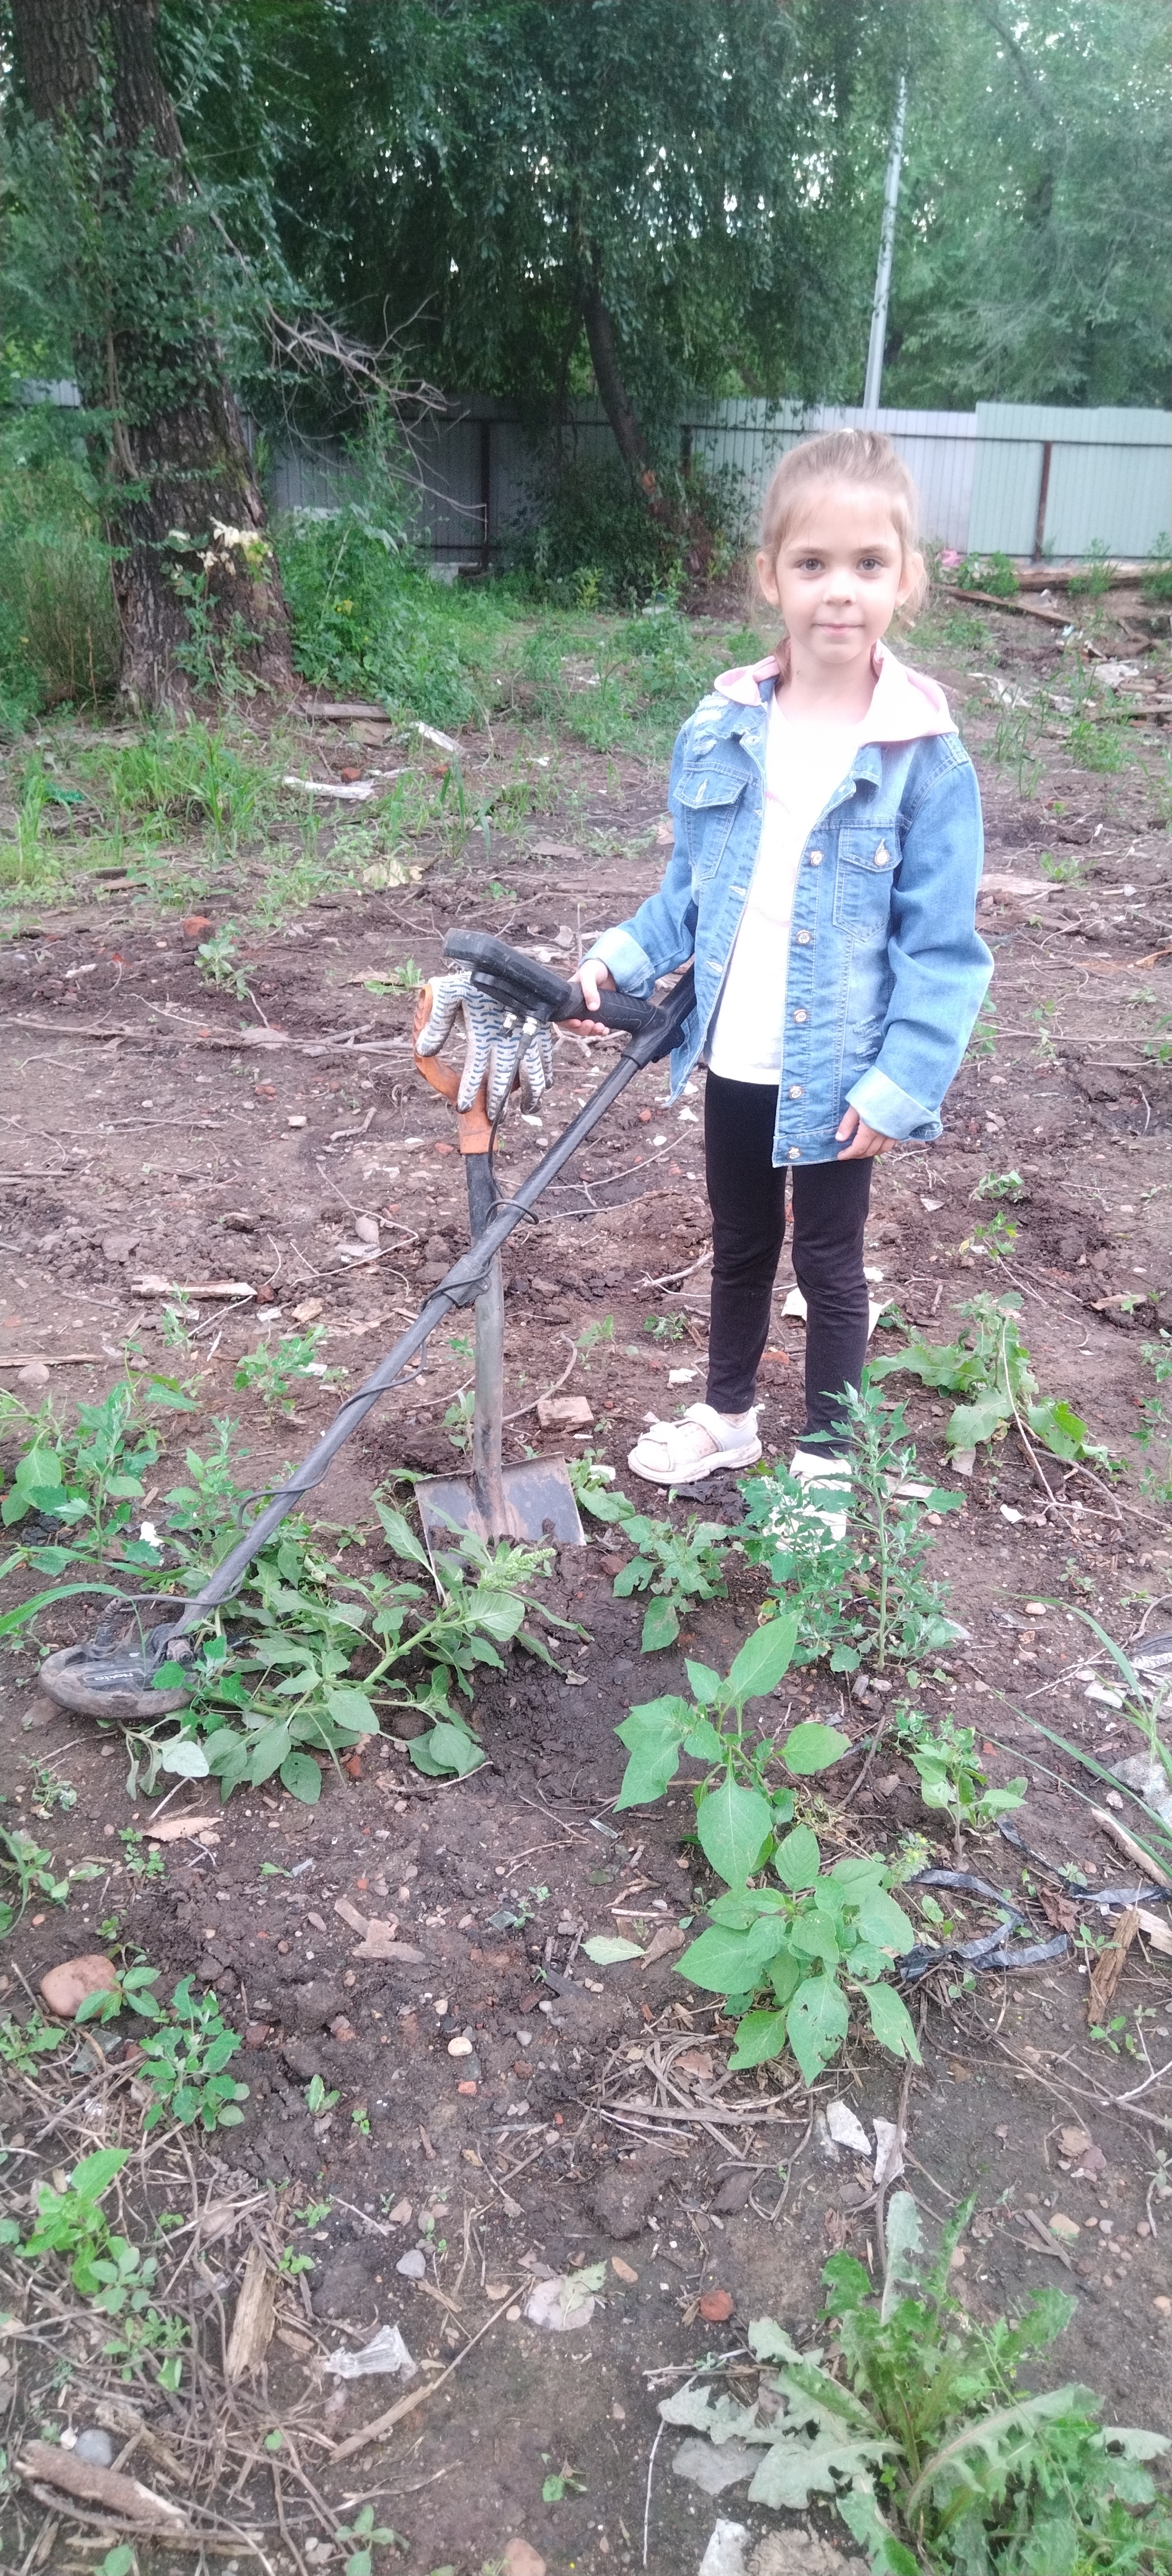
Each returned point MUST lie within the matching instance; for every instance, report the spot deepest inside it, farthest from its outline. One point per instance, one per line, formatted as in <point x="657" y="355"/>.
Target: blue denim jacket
<point x="886" y="969"/>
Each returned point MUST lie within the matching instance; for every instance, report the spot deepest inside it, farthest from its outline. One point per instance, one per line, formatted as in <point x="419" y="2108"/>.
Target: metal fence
<point x="1013" y="478"/>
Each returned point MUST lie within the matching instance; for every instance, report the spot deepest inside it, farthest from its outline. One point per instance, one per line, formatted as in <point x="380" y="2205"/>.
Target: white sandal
<point x="681" y="1453"/>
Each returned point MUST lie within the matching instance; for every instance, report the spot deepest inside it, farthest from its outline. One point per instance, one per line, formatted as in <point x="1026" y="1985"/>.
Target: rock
<point x="1149" y="1780"/>
<point x="715" y="2466"/>
<point x="716" y="2307"/>
<point x="1064" y="2228"/>
<point x="801" y="2553"/>
<point x="34" y="1373"/>
<point x="195" y="924"/>
<point x="64" y="1988"/>
<point x="95" y="2446"/>
<point x="412" y="2265"/>
<point x="312" y="2007"/>
<point x="366" y="1229"/>
<point x="520" y="2560"/>
<point x="459" y="2048"/>
<point x="564" y="1413"/>
<point x="302" y="2059"/>
<point x="733" y="2194"/>
<point x="119" y="1247"/>
<point x="621" y="2198"/>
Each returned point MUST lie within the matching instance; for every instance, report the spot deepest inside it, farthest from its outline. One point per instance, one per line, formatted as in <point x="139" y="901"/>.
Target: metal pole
<point x="873" y="385"/>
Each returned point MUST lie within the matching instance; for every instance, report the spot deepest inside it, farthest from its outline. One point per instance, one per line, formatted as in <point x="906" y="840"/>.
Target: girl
<point x="827" y="853"/>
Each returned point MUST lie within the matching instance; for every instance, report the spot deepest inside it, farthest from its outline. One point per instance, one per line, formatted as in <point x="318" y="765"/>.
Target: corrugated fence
<point x="1013" y="478"/>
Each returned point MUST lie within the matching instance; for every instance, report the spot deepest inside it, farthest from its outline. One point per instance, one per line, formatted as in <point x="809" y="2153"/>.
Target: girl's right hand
<point x="594" y="979"/>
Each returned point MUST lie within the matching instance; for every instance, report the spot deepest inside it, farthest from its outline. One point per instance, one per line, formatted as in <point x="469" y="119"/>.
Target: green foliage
<point x="184" y="2058"/>
<point x="914" y="2427"/>
<point x="23" y="2043"/>
<point x="990" y="1367"/>
<point x="218" y="961"/>
<point x="272" y="1373"/>
<point x="26" y="1871"/>
<point x="361" y="2538"/>
<point x="993" y="573"/>
<point x="86" y="1483"/>
<point x="282" y="1695"/>
<point x="103" y="2267"/>
<point x="819" y="1942"/>
<point x="944" y="1757"/>
<point x="866" y="1596"/>
<point x="193" y="774"/>
<point x="59" y="635"/>
<point x="367" y="620"/>
<point x="675" y="1567"/>
<point x="132" y="1993"/>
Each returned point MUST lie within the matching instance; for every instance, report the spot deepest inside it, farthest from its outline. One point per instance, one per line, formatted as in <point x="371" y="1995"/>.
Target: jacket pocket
<point x="708" y="800"/>
<point x="866" y="864"/>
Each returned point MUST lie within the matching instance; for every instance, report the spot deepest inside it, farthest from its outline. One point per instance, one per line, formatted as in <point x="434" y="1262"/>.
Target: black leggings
<point x="747" y="1196"/>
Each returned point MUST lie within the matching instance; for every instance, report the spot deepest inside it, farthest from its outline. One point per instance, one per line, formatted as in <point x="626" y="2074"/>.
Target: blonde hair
<point x="846" y="456"/>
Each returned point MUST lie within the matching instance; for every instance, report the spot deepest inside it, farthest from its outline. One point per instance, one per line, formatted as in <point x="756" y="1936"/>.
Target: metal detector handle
<point x="525" y="984"/>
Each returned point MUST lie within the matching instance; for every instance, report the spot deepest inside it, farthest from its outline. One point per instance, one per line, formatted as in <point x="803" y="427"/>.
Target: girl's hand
<point x="865" y="1142"/>
<point x="594" y="979"/>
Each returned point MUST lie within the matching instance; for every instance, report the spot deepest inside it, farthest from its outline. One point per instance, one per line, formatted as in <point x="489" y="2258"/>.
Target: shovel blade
<point x="539" y="1504"/>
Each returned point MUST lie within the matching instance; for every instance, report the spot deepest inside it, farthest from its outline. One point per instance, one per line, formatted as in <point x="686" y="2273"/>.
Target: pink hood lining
<point x="907" y="706"/>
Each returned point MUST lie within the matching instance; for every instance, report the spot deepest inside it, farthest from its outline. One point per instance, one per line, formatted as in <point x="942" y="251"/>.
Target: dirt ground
<point x="592" y="2119"/>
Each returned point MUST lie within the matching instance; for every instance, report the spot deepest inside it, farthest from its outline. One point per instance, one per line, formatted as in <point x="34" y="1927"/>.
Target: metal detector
<point x="512" y="1000"/>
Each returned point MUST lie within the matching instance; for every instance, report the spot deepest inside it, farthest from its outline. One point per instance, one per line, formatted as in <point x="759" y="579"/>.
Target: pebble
<point x="366" y="1229"/>
<point x="459" y="2048"/>
<point x="412" y="2265"/>
<point x="521" y="2560"/>
<point x="716" y="2307"/>
<point x="34" y="1373"/>
<point x="95" y="2446"/>
<point x="65" y="1987"/>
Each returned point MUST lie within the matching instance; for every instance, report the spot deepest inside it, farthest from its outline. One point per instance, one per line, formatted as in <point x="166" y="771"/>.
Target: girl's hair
<point x="847" y="456"/>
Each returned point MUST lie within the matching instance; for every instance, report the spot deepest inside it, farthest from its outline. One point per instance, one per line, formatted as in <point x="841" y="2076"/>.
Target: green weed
<point x="983" y="1041"/>
<point x="26" y="1872"/>
<point x="184" y="2057"/>
<point x="952" y="1783"/>
<point x="271" y="1373"/>
<point x="990" y="1367"/>
<point x="105" y="2268"/>
<point x="677" y="1568"/>
<point x="914" y="2427"/>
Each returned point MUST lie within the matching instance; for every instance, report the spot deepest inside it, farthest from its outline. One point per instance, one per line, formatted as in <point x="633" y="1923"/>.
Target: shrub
<point x="59" y="635"/>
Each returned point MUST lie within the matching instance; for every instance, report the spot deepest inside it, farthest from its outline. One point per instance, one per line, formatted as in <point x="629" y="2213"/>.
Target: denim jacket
<point x="886" y="969"/>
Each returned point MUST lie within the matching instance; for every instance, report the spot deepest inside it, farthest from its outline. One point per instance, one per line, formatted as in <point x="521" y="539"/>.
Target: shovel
<point x="536" y="1500"/>
<point x="110" y="1674"/>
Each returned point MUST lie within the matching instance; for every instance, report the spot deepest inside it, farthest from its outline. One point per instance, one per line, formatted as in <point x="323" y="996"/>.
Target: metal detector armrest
<point x="524" y="984"/>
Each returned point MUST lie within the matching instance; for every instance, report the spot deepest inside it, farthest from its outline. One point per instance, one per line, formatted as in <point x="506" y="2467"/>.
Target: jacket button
<point x="882" y="855"/>
<point x="803" y="938"/>
<point x="801" y="1015"/>
<point x="795" y="1153"/>
<point x="815" y="858"/>
<point x="795" y="1091"/>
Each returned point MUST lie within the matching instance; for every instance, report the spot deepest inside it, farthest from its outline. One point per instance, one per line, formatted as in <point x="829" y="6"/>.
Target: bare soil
<point x="592" y="2117"/>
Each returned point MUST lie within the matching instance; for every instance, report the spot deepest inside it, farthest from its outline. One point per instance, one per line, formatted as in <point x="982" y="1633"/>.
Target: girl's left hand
<point x="865" y="1142"/>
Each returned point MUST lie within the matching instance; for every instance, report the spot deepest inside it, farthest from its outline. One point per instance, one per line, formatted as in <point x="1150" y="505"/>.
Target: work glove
<point x="494" y="1054"/>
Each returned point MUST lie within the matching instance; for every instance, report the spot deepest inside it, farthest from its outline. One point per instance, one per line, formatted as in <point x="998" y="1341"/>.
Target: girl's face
<point x="839" y="575"/>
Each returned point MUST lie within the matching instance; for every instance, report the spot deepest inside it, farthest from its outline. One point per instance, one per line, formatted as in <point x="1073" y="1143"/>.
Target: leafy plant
<point x="22" y="2043"/>
<point x="915" y="2429"/>
<point x="866" y="1596"/>
<point x="105" y="2268"/>
<point x="665" y="1328"/>
<point x="131" y="1993"/>
<point x="993" y="573"/>
<point x="183" y="2059"/>
<point x="23" y="1860"/>
<point x="361" y="2538"/>
<point x="944" y="1757"/>
<point x="270" y="1372"/>
<point x="983" y="1041"/>
<point x="676" y="1567"/>
<point x="990" y="1367"/>
<point x="816" y="1939"/>
<point x="219" y="962"/>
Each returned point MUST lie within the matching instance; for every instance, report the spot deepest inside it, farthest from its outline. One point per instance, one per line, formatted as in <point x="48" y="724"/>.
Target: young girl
<point x="827" y="853"/>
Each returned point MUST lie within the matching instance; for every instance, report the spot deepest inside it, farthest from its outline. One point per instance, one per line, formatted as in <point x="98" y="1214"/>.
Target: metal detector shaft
<point x="461" y="1286"/>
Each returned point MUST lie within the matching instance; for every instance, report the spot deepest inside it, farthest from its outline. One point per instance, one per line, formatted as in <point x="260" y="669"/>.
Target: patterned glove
<point x="493" y="1053"/>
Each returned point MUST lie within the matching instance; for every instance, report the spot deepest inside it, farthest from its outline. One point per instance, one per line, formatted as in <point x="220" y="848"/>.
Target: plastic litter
<point x="385" y="2357"/>
<point x="987" y="1949"/>
<point x="725" y="2554"/>
<point x="847" y="2129"/>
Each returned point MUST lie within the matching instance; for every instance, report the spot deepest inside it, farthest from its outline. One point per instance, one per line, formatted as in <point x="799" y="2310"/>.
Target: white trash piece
<point x="847" y="2130"/>
<point x="725" y="2554"/>
<point x="385" y="2357"/>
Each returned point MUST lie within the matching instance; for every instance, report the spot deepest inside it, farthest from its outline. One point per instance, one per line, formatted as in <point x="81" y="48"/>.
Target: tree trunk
<point x="194" y="576"/>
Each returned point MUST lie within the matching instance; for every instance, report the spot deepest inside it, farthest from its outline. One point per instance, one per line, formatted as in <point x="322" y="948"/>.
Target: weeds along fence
<point x="1033" y="480"/>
